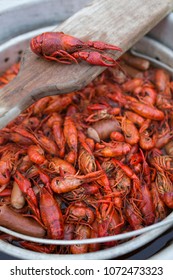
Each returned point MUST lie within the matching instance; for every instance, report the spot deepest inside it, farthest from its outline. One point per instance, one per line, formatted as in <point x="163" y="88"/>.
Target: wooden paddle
<point x="118" y="22"/>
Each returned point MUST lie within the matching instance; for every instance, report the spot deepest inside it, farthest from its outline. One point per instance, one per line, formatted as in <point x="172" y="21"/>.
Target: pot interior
<point x="10" y="53"/>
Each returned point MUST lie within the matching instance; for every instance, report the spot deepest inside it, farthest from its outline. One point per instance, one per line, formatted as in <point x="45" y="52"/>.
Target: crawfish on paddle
<point x="63" y="48"/>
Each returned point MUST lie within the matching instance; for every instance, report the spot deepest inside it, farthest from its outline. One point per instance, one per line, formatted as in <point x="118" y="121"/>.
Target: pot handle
<point x="167" y="223"/>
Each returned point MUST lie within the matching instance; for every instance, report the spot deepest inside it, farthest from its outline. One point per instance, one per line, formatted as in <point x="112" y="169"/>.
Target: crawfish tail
<point x="146" y="111"/>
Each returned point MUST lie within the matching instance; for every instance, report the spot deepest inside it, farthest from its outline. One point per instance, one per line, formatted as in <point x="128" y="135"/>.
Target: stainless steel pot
<point x="159" y="48"/>
<point x="18" y="17"/>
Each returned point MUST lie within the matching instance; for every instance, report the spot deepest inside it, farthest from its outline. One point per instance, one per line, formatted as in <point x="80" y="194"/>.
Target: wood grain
<point x="121" y="23"/>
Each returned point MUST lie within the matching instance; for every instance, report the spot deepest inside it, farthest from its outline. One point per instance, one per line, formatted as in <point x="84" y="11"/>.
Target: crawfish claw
<point x="102" y="46"/>
<point x="95" y="58"/>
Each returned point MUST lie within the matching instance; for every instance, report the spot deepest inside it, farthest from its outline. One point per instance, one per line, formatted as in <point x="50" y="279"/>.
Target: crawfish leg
<point x="64" y="57"/>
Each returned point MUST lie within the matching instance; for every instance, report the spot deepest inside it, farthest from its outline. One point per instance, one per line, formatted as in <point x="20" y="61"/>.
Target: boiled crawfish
<point x="67" y="49"/>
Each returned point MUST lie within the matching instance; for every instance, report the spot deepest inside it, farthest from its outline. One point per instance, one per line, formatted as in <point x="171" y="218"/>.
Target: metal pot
<point x="156" y="44"/>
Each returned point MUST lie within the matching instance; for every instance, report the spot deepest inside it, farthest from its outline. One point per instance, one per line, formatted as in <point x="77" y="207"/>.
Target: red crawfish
<point x="113" y="150"/>
<point x="40" y="105"/>
<point x="58" y="103"/>
<point x="45" y="142"/>
<point x="130" y="131"/>
<point x="72" y="182"/>
<point x="36" y="154"/>
<point x="82" y="193"/>
<point x="81" y="232"/>
<point x="51" y="215"/>
<point x="145" y="204"/>
<point x="80" y="212"/>
<point x="93" y="247"/>
<point x="146" y="172"/>
<point x="70" y="134"/>
<point x="165" y="188"/>
<point x="132" y="84"/>
<point x="135" y="118"/>
<point x="6" y="166"/>
<point x="106" y="205"/>
<point x="67" y="49"/>
<point x="161" y="210"/>
<point x="133" y="214"/>
<point x="162" y="163"/>
<point x="147" y="139"/>
<point x="164" y="139"/>
<point x="24" y="164"/>
<point x="110" y="224"/>
<point x="69" y="233"/>
<point x="122" y="183"/>
<point x="129" y="172"/>
<point x="86" y="159"/>
<point x="55" y="122"/>
<point x="25" y="186"/>
<point x="57" y="165"/>
<point x="145" y="110"/>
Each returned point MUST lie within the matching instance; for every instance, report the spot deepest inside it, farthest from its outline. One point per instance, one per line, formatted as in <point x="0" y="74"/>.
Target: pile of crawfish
<point x="91" y="163"/>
